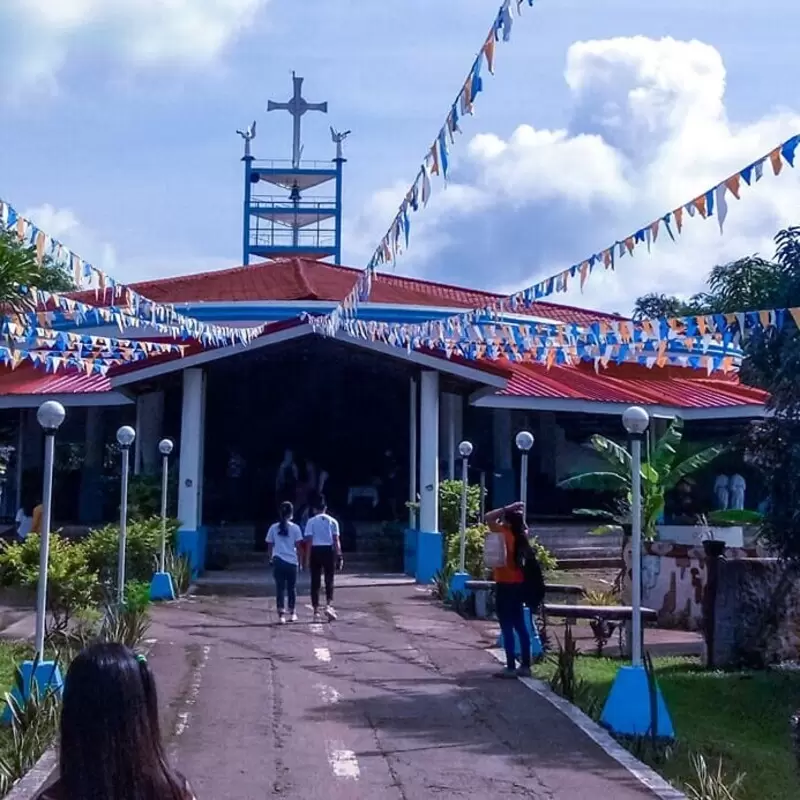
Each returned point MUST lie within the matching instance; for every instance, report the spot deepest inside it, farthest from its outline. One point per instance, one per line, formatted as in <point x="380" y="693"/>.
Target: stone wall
<point x="673" y="581"/>
<point x="757" y="613"/>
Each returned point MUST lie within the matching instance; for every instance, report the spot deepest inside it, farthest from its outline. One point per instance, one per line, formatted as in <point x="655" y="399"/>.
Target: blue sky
<point x="118" y="128"/>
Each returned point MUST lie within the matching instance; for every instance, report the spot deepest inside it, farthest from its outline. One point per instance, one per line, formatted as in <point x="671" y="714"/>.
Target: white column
<point x="450" y="410"/>
<point x="149" y="421"/>
<point x="191" y="450"/>
<point x="429" y="452"/>
<point x="412" y="450"/>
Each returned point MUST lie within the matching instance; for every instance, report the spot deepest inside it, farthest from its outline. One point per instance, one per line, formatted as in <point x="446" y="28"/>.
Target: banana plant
<point x="659" y="474"/>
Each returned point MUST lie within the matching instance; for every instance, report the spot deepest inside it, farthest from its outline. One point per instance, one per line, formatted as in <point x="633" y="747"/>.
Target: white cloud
<point x="63" y="224"/>
<point x="648" y="131"/>
<point x="38" y="36"/>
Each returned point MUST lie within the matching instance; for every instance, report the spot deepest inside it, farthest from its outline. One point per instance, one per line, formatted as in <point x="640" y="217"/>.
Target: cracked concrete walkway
<point x="395" y="701"/>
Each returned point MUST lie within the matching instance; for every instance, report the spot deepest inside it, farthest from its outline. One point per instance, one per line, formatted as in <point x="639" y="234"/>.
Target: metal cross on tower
<point x="297" y="106"/>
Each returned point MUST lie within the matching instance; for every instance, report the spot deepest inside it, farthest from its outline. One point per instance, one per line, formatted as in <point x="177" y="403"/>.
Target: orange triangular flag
<point x="629" y="244"/>
<point x="678" y="214"/>
<point x="584" y="272"/>
<point x="654" y="230"/>
<point x="700" y="205"/>
<point x="488" y="51"/>
<point x="795" y="312"/>
<point x="777" y="161"/>
<point x="435" y="157"/>
<point x="733" y="184"/>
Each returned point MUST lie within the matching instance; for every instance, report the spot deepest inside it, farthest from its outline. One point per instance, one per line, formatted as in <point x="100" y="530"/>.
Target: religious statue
<point x="722" y="492"/>
<point x="738" y="487"/>
<point x="248" y="134"/>
<point x="338" y="138"/>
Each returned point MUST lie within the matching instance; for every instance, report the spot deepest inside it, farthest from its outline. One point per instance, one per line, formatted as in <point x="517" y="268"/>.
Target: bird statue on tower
<point x="248" y="134"/>
<point x="338" y="138"/>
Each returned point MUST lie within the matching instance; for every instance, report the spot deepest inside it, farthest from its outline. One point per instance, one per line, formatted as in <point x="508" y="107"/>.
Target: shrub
<point x="71" y="583"/>
<point x="179" y="565"/>
<point x="473" y="561"/>
<point x="143" y="548"/>
<point x="144" y="495"/>
<point x="450" y="506"/>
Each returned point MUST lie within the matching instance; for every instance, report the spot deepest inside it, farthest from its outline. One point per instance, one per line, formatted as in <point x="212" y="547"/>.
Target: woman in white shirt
<point x="284" y="539"/>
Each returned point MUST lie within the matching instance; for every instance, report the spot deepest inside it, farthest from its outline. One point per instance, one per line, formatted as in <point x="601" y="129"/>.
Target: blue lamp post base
<point x="627" y="711"/>
<point x="458" y="584"/>
<point x="536" y="643"/>
<point x="161" y="587"/>
<point x="45" y="674"/>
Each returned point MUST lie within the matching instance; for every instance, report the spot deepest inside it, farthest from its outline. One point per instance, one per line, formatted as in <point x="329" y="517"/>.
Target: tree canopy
<point x="772" y="362"/>
<point x="19" y="267"/>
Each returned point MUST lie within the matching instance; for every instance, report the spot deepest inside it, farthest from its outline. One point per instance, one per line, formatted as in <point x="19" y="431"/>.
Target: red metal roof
<point x="305" y="279"/>
<point x="631" y="383"/>
<point x="27" y="379"/>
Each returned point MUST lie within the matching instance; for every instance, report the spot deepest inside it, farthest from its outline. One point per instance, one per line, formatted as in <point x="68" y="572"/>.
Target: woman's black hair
<point x="110" y="736"/>
<point x="522" y="547"/>
<point x="286" y="512"/>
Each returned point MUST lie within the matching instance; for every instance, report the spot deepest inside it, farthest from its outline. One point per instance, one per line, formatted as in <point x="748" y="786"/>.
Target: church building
<point x="374" y="425"/>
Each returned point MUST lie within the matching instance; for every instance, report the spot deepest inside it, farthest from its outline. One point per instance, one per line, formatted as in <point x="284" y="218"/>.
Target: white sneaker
<point x="317" y="616"/>
<point x="330" y="614"/>
<point x="293" y="617"/>
<point x="281" y="618"/>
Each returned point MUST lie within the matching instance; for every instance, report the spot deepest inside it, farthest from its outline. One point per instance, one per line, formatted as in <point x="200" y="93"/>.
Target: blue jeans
<point x="285" y="583"/>
<point x="510" y="607"/>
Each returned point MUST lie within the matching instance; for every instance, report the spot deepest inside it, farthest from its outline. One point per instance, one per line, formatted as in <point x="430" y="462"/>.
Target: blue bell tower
<point x="293" y="208"/>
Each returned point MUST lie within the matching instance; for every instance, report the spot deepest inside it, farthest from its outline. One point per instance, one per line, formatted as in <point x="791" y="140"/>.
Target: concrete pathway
<point x="395" y="701"/>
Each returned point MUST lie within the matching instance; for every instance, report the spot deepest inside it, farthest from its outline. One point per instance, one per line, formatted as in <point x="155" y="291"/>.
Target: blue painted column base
<point x="193" y="544"/>
<point x="161" y="587"/>
<point x="46" y="675"/>
<point x="429" y="556"/>
<point x="536" y="643"/>
<point x="627" y="710"/>
<point x="458" y="585"/>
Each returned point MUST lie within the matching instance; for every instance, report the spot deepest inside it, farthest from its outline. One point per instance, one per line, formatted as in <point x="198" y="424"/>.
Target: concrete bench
<point x="481" y="591"/>
<point x="610" y="613"/>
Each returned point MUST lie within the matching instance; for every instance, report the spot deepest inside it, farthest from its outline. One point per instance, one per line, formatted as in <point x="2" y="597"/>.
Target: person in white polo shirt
<point x="284" y="540"/>
<point x="324" y="555"/>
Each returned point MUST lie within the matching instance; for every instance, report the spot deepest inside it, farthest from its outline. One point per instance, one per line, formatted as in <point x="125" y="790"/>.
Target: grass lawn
<point x="740" y="717"/>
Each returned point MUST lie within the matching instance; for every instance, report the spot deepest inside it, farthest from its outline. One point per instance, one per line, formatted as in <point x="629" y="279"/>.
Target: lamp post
<point x="465" y="451"/>
<point x="125" y="438"/>
<point x="162" y="587"/>
<point x="50" y="415"/>
<point x="630" y="706"/>
<point x="524" y="442"/>
<point x="165" y="448"/>
<point x="635" y="420"/>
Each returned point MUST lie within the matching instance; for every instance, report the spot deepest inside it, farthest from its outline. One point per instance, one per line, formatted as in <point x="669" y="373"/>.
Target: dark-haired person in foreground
<point x="325" y="555"/>
<point x="510" y="588"/>
<point x="110" y="745"/>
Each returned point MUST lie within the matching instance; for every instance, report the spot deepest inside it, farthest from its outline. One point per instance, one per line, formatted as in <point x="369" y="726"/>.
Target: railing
<point x="284" y="237"/>
<point x="286" y="163"/>
<point x="283" y="203"/>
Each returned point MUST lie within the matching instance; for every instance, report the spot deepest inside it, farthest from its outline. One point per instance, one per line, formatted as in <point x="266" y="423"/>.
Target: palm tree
<point x="659" y="474"/>
<point x="19" y="268"/>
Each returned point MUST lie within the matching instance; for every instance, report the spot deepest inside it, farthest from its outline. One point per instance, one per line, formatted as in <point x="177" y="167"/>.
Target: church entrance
<point x="297" y="417"/>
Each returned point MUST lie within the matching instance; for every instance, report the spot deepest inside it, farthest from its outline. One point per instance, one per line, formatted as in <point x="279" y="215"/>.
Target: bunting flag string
<point x="436" y="161"/>
<point x="88" y="277"/>
<point x="712" y="341"/>
<point x="704" y="205"/>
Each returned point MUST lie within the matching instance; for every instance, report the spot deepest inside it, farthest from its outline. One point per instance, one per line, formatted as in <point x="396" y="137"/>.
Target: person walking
<point x="508" y="525"/>
<point x="110" y="738"/>
<point x="284" y="543"/>
<point x="324" y="555"/>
